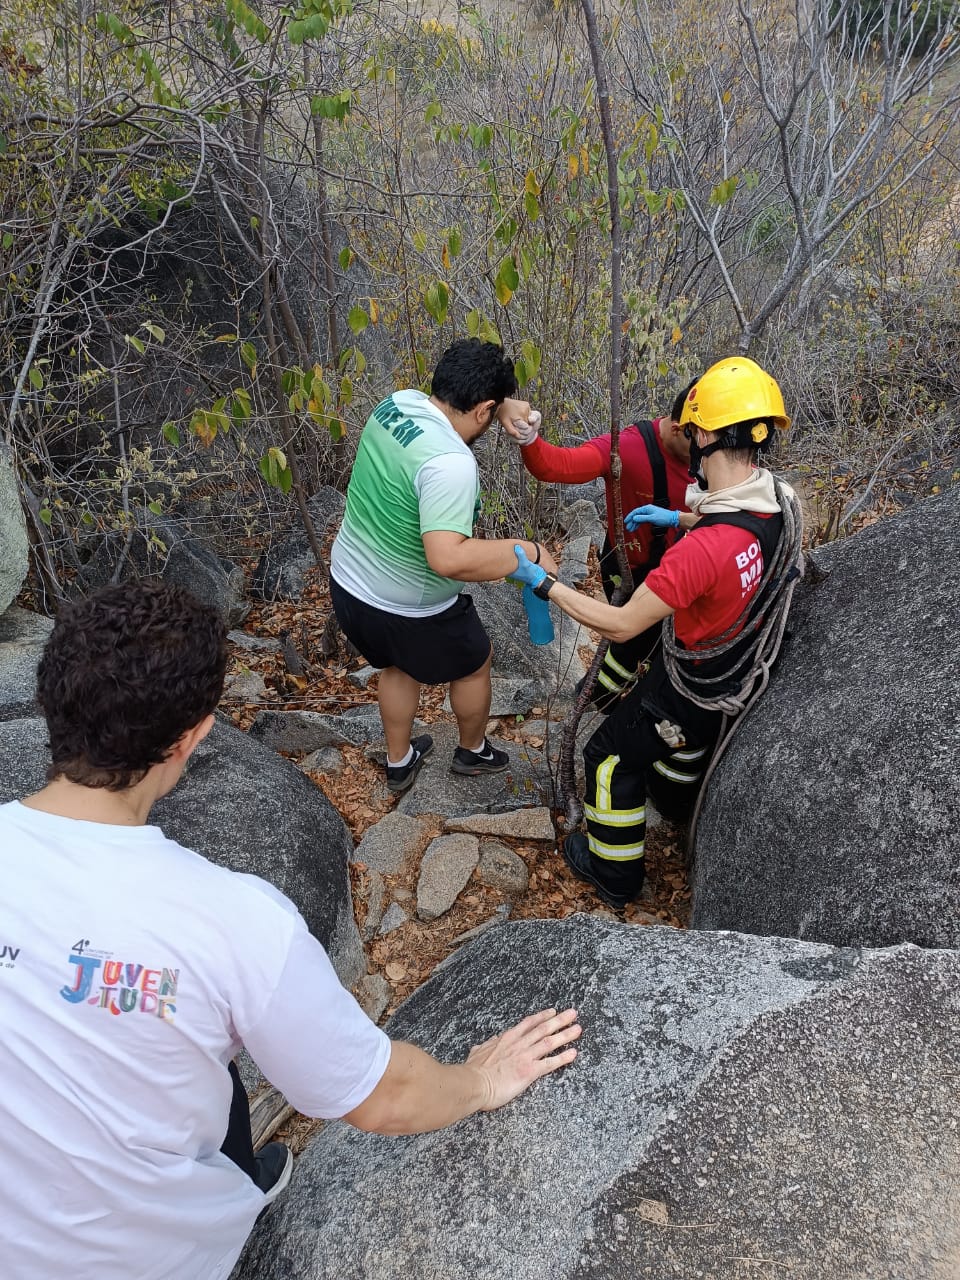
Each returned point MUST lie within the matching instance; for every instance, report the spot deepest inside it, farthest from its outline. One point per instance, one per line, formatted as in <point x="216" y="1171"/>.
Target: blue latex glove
<point x="526" y="571"/>
<point x="658" y="516"/>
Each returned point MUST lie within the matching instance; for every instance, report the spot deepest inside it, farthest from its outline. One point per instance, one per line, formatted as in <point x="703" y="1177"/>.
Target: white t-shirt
<point x="131" y="971"/>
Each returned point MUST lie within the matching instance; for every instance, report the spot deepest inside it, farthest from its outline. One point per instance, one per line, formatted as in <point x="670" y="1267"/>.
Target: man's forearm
<point x="420" y="1094"/>
<point x="482" y="560"/>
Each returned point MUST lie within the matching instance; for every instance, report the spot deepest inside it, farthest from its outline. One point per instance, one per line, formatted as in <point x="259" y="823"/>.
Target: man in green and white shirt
<point x="406" y="546"/>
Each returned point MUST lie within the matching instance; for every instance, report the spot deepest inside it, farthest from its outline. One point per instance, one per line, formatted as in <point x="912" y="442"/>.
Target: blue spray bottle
<point x="539" y="622"/>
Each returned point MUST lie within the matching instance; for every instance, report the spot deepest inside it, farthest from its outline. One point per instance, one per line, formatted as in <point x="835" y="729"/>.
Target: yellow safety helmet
<point x="732" y="391"/>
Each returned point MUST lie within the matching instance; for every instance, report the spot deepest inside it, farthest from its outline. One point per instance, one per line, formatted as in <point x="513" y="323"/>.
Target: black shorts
<point x="433" y="650"/>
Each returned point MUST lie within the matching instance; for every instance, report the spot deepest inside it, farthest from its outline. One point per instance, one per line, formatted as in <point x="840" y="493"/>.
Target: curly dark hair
<point x="471" y="371"/>
<point x="125" y="673"/>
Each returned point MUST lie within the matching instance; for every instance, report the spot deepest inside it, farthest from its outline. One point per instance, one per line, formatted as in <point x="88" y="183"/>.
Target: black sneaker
<point x="487" y="760"/>
<point x="274" y="1168"/>
<point x="401" y="776"/>
<point x="577" y="856"/>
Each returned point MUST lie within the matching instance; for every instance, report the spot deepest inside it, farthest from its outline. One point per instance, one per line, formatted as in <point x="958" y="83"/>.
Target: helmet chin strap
<point x="697" y="454"/>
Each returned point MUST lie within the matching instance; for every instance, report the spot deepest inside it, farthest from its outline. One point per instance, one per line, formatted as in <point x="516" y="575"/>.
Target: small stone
<point x="393" y="918"/>
<point x="362" y="677"/>
<point x="245" y="686"/>
<point x="326" y="760"/>
<point x="298" y="731"/>
<point x="253" y="644"/>
<point x="392" y="843"/>
<point x="376" y="901"/>
<point x="396" y="971"/>
<point x="468" y="936"/>
<point x="503" y="869"/>
<point x="373" y="995"/>
<point x="447" y="865"/>
<point x="522" y="824"/>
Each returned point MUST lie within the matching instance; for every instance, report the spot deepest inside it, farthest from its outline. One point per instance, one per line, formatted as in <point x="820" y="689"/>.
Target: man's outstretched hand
<point x="519" y="420"/>
<point x="530" y="574"/>
<point x="513" y="1060"/>
<point x="659" y="517"/>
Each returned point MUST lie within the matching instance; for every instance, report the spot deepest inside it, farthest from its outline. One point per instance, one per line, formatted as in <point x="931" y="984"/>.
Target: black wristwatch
<point x="542" y="589"/>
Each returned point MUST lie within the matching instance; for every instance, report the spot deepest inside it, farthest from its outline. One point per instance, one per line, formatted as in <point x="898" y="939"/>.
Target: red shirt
<point x="590" y="461"/>
<point x="708" y="579"/>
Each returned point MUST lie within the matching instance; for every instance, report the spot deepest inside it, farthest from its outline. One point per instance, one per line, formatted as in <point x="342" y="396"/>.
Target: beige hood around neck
<point x="756" y="494"/>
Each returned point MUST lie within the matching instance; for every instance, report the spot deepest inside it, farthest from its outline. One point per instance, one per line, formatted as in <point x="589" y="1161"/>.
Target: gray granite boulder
<point x="736" y="1101"/>
<point x="834" y="814"/>
<point x="244" y="808"/>
<point x="22" y="637"/>
<point x="279" y="574"/>
<point x="14" y="547"/>
<point x="193" y="565"/>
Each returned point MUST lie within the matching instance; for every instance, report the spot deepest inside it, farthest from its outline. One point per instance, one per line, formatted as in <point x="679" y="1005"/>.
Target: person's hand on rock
<point x="513" y="1060"/>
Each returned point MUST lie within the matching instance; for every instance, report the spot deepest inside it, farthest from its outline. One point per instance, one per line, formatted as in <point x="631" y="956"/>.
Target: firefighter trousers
<point x="624" y="758"/>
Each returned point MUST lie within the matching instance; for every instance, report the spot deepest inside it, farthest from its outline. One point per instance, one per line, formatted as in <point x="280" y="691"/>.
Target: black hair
<point x="471" y="371"/>
<point x="125" y="673"/>
<point x="736" y="438"/>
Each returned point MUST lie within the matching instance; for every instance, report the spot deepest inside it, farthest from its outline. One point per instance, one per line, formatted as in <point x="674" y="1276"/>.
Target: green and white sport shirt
<point x="412" y="475"/>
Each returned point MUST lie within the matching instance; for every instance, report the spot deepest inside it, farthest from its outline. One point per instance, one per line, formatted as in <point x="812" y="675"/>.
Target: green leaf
<point x="7" y="235"/>
<point x="46" y="515"/>
<point x="455" y="241"/>
<point x="532" y="206"/>
<point x="87" y="519"/>
<point x="723" y="191"/>
<point x="154" y="330"/>
<point x="357" y="319"/>
<point x="432" y="112"/>
<point x="531" y="357"/>
<point x="36" y="378"/>
<point x="474" y="320"/>
<point x="156" y="507"/>
<point x="171" y="434"/>
<point x="245" y="17"/>
<point x="437" y="300"/>
<point x="346" y="390"/>
<point x="346" y="257"/>
<point x="248" y="354"/>
<point x="506" y="281"/>
<point x="419" y="241"/>
<point x="3" y="144"/>
<point x="334" y="106"/>
<point x="137" y="343"/>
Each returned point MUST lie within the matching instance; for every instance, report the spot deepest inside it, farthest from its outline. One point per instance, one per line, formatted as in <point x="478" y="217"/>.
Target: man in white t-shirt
<point x="133" y="971"/>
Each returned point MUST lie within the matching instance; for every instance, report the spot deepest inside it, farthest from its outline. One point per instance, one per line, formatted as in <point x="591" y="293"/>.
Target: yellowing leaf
<point x="573" y="166"/>
<point x="584" y="158"/>
<point x="676" y="335"/>
<point x="374" y="312"/>
<point x="445" y="257"/>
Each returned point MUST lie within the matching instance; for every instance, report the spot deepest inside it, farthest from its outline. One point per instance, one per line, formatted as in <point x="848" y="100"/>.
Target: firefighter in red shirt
<point x="654" y="458"/>
<point x="706" y="583"/>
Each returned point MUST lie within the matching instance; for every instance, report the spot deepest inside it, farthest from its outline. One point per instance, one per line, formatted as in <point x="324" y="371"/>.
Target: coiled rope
<point x="767" y="614"/>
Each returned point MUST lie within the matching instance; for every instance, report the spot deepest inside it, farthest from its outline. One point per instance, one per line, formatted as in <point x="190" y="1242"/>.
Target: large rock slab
<point x="14" y="562"/>
<point x="834" y="814"/>
<point x="297" y="731"/>
<point x="22" y="637"/>
<point x="736" y="1101"/>
<point x="244" y="808"/>
<point x="526" y="781"/>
